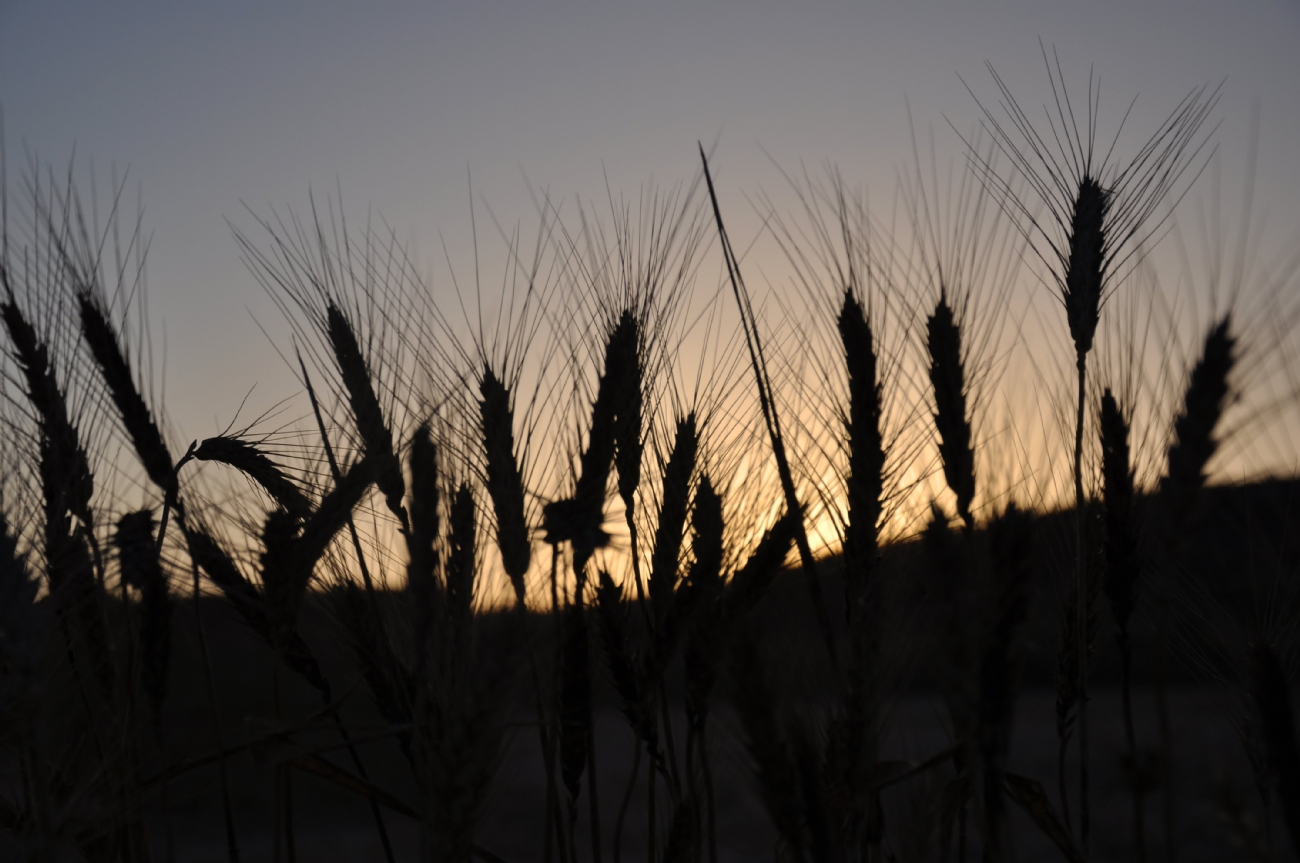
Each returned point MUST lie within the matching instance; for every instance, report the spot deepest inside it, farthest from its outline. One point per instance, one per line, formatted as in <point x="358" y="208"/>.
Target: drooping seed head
<point x="246" y="457"/>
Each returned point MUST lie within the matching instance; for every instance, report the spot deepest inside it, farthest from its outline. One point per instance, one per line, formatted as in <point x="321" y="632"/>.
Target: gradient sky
<point x="215" y="105"/>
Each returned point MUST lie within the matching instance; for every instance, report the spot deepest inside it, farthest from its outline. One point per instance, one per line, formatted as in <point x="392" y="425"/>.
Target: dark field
<point x="332" y="823"/>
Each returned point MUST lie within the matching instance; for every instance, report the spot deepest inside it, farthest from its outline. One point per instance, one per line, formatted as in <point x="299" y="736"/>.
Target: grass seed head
<point x="706" y="540"/>
<point x="1123" y="565"/>
<point x="748" y="586"/>
<point x="331" y="516"/>
<point x="283" y="583"/>
<point x="504" y="483"/>
<point x="68" y="461"/>
<point x="423" y="537"/>
<point x="672" y="516"/>
<point x="246" y="457"/>
<point x="461" y="557"/>
<point x="628" y="421"/>
<point x="865" y="484"/>
<point x="1085" y="270"/>
<point x="1194" y="442"/>
<point x="141" y="428"/>
<point x="584" y="529"/>
<point x="375" y="436"/>
<point x="948" y="378"/>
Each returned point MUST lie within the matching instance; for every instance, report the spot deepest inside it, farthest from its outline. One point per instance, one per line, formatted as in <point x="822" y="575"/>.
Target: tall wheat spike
<point x="421" y="568"/>
<point x="578" y="520"/>
<point x="68" y="456"/>
<point x="1122" y="571"/>
<point x="462" y="557"/>
<point x="369" y="417"/>
<point x="1098" y="220"/>
<point x="1193" y="444"/>
<point x="669" y="531"/>
<point x="504" y="482"/>
<point x="948" y="378"/>
<point x="865" y="446"/>
<point x="137" y="419"/>
<point x="628" y="444"/>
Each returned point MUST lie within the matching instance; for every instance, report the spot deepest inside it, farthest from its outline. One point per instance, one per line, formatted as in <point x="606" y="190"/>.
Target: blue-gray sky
<point x="212" y="105"/>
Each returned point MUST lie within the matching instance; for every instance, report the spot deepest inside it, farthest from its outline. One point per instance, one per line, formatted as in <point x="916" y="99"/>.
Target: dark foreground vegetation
<point x="546" y="592"/>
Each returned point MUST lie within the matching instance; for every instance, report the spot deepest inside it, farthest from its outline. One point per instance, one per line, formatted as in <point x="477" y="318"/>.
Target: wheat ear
<point x="1122" y="570"/>
<point x="505" y="484"/>
<point x="137" y="419"/>
<point x="247" y="458"/>
<point x="1193" y="444"/>
<point x="948" y="378"/>
<point x="374" y="432"/>
<point x="664" y="560"/>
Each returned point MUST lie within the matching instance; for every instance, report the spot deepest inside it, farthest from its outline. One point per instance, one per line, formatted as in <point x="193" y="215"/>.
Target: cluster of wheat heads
<point x="508" y="524"/>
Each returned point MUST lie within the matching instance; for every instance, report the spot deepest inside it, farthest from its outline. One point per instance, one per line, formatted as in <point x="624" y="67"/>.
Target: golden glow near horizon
<point x="425" y="118"/>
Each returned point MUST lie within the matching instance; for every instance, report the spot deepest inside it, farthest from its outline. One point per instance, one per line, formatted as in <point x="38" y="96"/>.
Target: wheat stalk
<point x="1010" y="550"/>
<point x="1277" y="721"/>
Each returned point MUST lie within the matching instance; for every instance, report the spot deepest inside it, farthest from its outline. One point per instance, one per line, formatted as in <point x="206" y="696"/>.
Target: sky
<point x="214" y="109"/>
